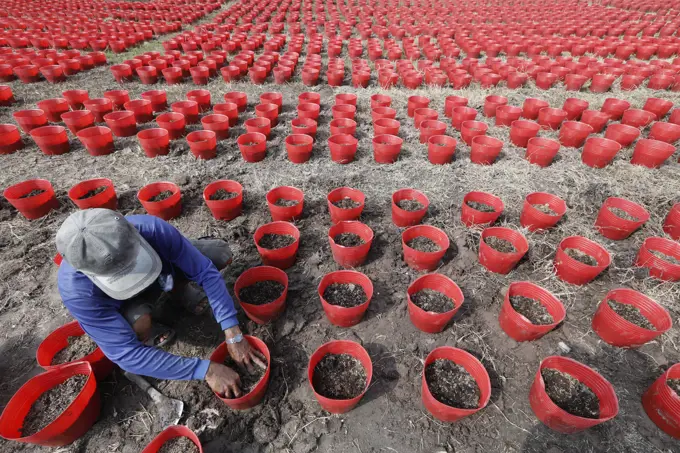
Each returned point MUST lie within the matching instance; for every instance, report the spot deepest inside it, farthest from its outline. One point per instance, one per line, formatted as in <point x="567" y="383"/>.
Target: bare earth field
<point x="390" y="418"/>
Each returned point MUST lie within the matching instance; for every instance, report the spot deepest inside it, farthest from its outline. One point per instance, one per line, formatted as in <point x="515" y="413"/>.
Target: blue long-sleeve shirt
<point x="100" y="317"/>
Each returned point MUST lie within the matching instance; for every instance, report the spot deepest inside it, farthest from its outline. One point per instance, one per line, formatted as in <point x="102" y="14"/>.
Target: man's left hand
<point x="243" y="353"/>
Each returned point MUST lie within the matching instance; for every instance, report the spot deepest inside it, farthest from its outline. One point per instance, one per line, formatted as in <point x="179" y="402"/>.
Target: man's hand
<point x="223" y="380"/>
<point x="242" y="353"/>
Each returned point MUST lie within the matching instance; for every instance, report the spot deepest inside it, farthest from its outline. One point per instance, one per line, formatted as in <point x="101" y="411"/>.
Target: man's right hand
<point x="223" y="380"/>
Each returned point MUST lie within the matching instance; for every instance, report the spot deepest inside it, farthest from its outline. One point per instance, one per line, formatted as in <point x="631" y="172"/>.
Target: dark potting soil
<point x="631" y="314"/>
<point x="339" y="376"/>
<point x="674" y="384"/>
<point x="348" y="240"/>
<point x="481" y="207"/>
<point x="276" y="241"/>
<point x="545" y="209"/>
<point x="663" y="256"/>
<point x="260" y="293"/>
<point x="532" y="309"/>
<point x="570" y="394"/>
<point x="94" y="192"/>
<point x="51" y="404"/>
<point x="452" y="385"/>
<point x="286" y="203"/>
<point x="501" y="245"/>
<point x="581" y="257"/>
<point x="78" y="347"/>
<point x="623" y="214"/>
<point x="423" y="244"/>
<point x="344" y="294"/>
<point x="32" y="193"/>
<point x="179" y="445"/>
<point x="410" y="205"/>
<point x="248" y="380"/>
<point x="347" y="203"/>
<point x="222" y="194"/>
<point x="161" y="196"/>
<point x="434" y="301"/>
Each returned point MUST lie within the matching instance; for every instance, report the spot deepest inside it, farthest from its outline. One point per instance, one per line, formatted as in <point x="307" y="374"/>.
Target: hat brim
<point x="133" y="278"/>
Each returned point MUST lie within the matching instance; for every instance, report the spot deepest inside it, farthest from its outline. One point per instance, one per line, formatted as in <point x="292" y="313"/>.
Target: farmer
<point x="116" y="268"/>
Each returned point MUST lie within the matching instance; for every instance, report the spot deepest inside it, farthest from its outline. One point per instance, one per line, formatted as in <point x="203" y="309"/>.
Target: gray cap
<point x="109" y="250"/>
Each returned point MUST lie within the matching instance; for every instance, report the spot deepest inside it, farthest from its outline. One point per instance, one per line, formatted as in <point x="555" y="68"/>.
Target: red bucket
<point x="507" y="114"/>
<point x="637" y="118"/>
<point x="285" y="213"/>
<point x="166" y="209"/>
<point x="665" y="132"/>
<point x="106" y="199"/>
<point x="560" y="420"/>
<point x="53" y="108"/>
<point x="497" y="261"/>
<point x="345" y="316"/>
<point x="599" y="152"/>
<point x="460" y="115"/>
<point x="452" y="102"/>
<point x="416" y="102"/>
<point x="239" y="98"/>
<point x="219" y="124"/>
<point x="551" y="118"/>
<point x="485" y="150"/>
<point x="429" y="321"/>
<point x="615" y="108"/>
<point x="596" y="119"/>
<point x="350" y="256"/>
<point x="187" y="108"/>
<point x="169" y="433"/>
<point x="574" y="108"/>
<point x="228" y="109"/>
<point x="534" y="219"/>
<point x="306" y="126"/>
<point x="473" y="217"/>
<point x="518" y="327"/>
<point x="282" y="258"/>
<point x="75" y="98"/>
<point x="308" y="110"/>
<point x="380" y="100"/>
<point x="339" y="214"/>
<point x="386" y="126"/>
<point x="424" y="261"/>
<point x="299" y="148"/>
<point x="336" y="406"/>
<point x="573" y="134"/>
<point x="403" y="218"/>
<point x="262" y="314"/>
<point x="541" y="151"/>
<point x="491" y="103"/>
<point x="224" y="209"/>
<point x="662" y="404"/>
<point x="672" y="223"/>
<point x="343" y="148"/>
<point x="471" y="129"/>
<point x="30" y="119"/>
<point x="99" y="107"/>
<point x="658" y="267"/>
<point x="532" y="107"/>
<point x="203" y="144"/>
<point x="98" y="140"/>
<point x="575" y="272"/>
<point x="10" y="139"/>
<point x="617" y="228"/>
<point x="386" y="148"/>
<point x="121" y="123"/>
<point x="258" y="125"/>
<point x="253" y="146"/>
<point x="52" y="140"/>
<point x="441" y="149"/>
<point x="651" y="153"/>
<point x="617" y="331"/>
<point x="623" y="134"/>
<point x="446" y="413"/>
<point x="521" y="131"/>
<point x="154" y="142"/>
<point x="343" y="126"/>
<point x="35" y="206"/>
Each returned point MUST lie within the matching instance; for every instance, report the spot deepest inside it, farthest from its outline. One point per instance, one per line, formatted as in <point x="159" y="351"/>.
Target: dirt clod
<point x="570" y="394"/>
<point x="222" y="194"/>
<point x="423" y="244"/>
<point x="93" y="192"/>
<point x="631" y="314"/>
<point x="623" y="214"/>
<point x="481" y="207"/>
<point x="286" y="203"/>
<point x="339" y="376"/>
<point x="161" y="196"/>
<point x="248" y="380"/>
<point x="452" y="385"/>
<point x="345" y="294"/>
<point x="434" y="301"/>
<point x="33" y="193"/>
<point x="531" y="309"/>
<point x="581" y="257"/>
<point x="348" y="240"/>
<point x="51" y="404"/>
<point x="78" y="347"/>
<point x="545" y="209"/>
<point x="260" y="293"/>
<point x="410" y="205"/>
<point x="276" y="241"/>
<point x="671" y="259"/>
<point x="179" y="445"/>
<point x="347" y="203"/>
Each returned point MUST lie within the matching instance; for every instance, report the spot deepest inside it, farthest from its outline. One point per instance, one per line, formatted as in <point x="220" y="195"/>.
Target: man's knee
<point x="215" y="249"/>
<point x="142" y="327"/>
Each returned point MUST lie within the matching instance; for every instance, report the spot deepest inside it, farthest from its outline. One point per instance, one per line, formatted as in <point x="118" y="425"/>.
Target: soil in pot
<point x="78" y="347"/>
<point x="663" y="256"/>
<point x="410" y="205"/>
<point x="581" y="257"/>
<point x="631" y="314"/>
<point x="623" y="214"/>
<point x="32" y="193"/>
<point x="348" y="240"/>
<point x="570" y="394"/>
<point x="51" y="404"/>
<point x="423" y="244"/>
<point x="674" y="384"/>
<point x="347" y="203"/>
<point x="161" y="196"/>
<point x="481" y="207"/>
<point x="452" y="385"/>
<point x="545" y="209"/>
<point x="222" y="194"/>
<point x="179" y="445"/>
<point x="501" y="245"/>
<point x="93" y="192"/>
<point x="339" y="376"/>
<point x="272" y="241"/>
<point x="260" y="293"/>
<point x="248" y="380"/>
<point x="286" y="203"/>
<point x="531" y="309"/>
<point x="434" y="301"/>
<point x="344" y="294"/>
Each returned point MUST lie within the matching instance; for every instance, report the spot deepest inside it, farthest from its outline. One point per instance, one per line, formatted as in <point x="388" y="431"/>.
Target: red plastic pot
<point x="385" y="126"/>
<point x="501" y="262"/>
<point x="532" y="107"/>
<point x="174" y="123"/>
<point x="471" y="217"/>
<point x="285" y="213"/>
<point x="665" y="132"/>
<point x="10" y="139"/>
<point x="471" y="129"/>
<point x="75" y="98"/>
<point x="551" y="118"/>
<point x="472" y="365"/>
<point x="623" y="134"/>
<point x="306" y="126"/>
<point x="30" y="119"/>
<point x="637" y="118"/>
<point x="428" y="321"/>
<point x="259" y="125"/>
<point x="299" y="148"/>
<point x="380" y="100"/>
<point x="187" y="108"/>
<point x="601" y="83"/>
<point x="282" y="258"/>
<point x="614" y="227"/>
<point x="659" y="107"/>
<point x="53" y="108"/>
<point x="98" y="140"/>
<point x="596" y="119"/>
<point x="158" y="99"/>
<point x="343" y="126"/>
<point x="424" y="261"/>
<point x="419" y="116"/>
<point x="70" y="425"/>
<point x="169" y="433"/>
<point x="519" y="328"/>
<point x="121" y="123"/>
<point x="53" y="73"/>
<point x="148" y="75"/>
<point x="521" y="131"/>
<point x="573" y="134"/>
<point x="671" y="225"/>
<point x="541" y="151"/>
<point x="452" y="102"/>
<point x="651" y="153"/>
<point x="560" y="420"/>
<point x="118" y="98"/>
<point x="662" y="404"/>
<point x="173" y="75"/>
<point x="574" y="82"/>
<point x="224" y="209"/>
<point x="575" y="272"/>
<point x="343" y="111"/>
<point x="339" y="214"/>
<point x="36" y="206"/>
<point x="269" y="111"/>
<point x="6" y="96"/>
<point x="615" y="108"/>
<point x="262" y="314"/>
<point x="27" y="73"/>
<point x="122" y="72"/>
<point x="491" y="103"/>
<point x="429" y="128"/>
<point x="154" y="142"/>
<point x="106" y="199"/>
<point x="142" y="109"/>
<point x="255" y="396"/>
<point x="345" y="316"/>
<point x="343" y="148"/>
<point x="441" y="149"/>
<point x="308" y="110"/>
<point x="383" y="113"/>
<point x="166" y="209"/>
<point x="350" y="256"/>
<point x="239" y="98"/>
<point x="228" y="109"/>
<point x="52" y="140"/>
<point x="617" y="331"/>
<point x="461" y="114"/>
<point x="309" y="97"/>
<point x="403" y="218"/>
<point x="599" y="152"/>
<point x="485" y="149"/>
<point x="507" y="114"/>
<point x="203" y="144"/>
<point x="272" y="98"/>
<point x="253" y="146"/>
<point x="416" y="102"/>
<point x="386" y="148"/>
<point x="99" y="107"/>
<point x="536" y="220"/>
<point x="58" y="340"/>
<point x="340" y="406"/>
<point x="658" y="267"/>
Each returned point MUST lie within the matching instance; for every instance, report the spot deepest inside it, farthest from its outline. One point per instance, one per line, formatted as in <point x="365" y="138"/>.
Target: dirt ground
<point x="390" y="418"/>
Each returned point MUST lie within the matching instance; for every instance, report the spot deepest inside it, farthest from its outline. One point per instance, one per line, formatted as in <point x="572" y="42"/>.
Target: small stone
<point x="563" y="347"/>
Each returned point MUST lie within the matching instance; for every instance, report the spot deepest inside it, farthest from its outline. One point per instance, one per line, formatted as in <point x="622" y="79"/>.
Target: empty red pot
<point x="343" y="111"/>
<point x="596" y="119"/>
<point x="10" y="139"/>
<point x="497" y="261"/>
<point x="285" y="213"/>
<point x="601" y="83"/>
<point x="637" y="118"/>
<point x="541" y="151"/>
<point x="262" y="314"/>
<point x="573" y="134"/>
<point x="532" y="107"/>
<point x="507" y="114"/>
<point x="557" y="418"/>
<point x="662" y="404"/>
<point x="106" y="199"/>
<point x="471" y="129"/>
<point x="575" y="272"/>
<point x="99" y="107"/>
<point x="472" y="365"/>
<point x="429" y="321"/>
<point x="166" y="209"/>
<point x="518" y="327"/>
<point x="27" y="73"/>
<point x="491" y="103"/>
<point x="551" y="118"/>
<point x="169" y="433"/>
<point x="651" y="153"/>
<point x="142" y="109"/>
<point x="416" y="102"/>
<point x="306" y="126"/>
<point x="224" y="209"/>
<point x="470" y="216"/>
<point x="424" y="261"/>
<point x="420" y="115"/>
<point x="345" y="316"/>
<point x="441" y="149"/>
<point x="663" y="269"/>
<point x="452" y="102"/>
<point x="350" y="256"/>
<point x="383" y="113"/>
<point x="98" y="140"/>
<point x="339" y="214"/>
<point x="309" y="97"/>
<point x="672" y="223"/>
<point x="272" y="98"/>
<point x="623" y="134"/>
<point x="343" y="148"/>
<point x="30" y="119"/>
<point x="53" y="108"/>
<point x="386" y="148"/>
<point x="35" y="206"/>
<point x="337" y="406"/>
<point x="6" y="96"/>
<point x="282" y="258"/>
<point x="187" y="108"/>
<point x="75" y="98"/>
<point x="269" y="111"/>
<point x="158" y="99"/>
<point x="203" y="144"/>
<point x="52" y="140"/>
<point x="617" y="228"/>
<point x="154" y="142"/>
<point x="121" y="123"/>
<point x="461" y="114"/>
<point x="122" y="72"/>
<point x="299" y="148"/>
<point x="599" y="152"/>
<point x="239" y="98"/>
<point x="148" y="75"/>
<point x="118" y="98"/>
<point x="534" y="219"/>
<point x="308" y="110"/>
<point x="380" y="100"/>
<point x="253" y="146"/>
<point x="521" y="131"/>
<point x="260" y="125"/>
<point x="574" y="82"/>
<point x="173" y="75"/>
<point x="615" y="107"/>
<point x="385" y="126"/>
<point x="172" y="122"/>
<point x="485" y="149"/>
<point x="665" y="132"/>
<point x="403" y="218"/>
<point x="659" y="107"/>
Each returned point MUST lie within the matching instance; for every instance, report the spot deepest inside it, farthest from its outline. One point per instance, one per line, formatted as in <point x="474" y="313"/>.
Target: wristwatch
<point x="236" y="339"/>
